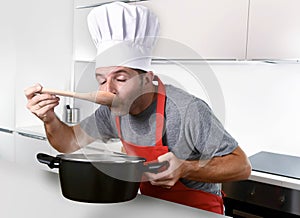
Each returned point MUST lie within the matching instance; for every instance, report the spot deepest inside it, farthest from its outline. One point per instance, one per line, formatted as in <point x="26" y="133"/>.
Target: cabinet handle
<point x="32" y="136"/>
<point x="252" y="193"/>
<point x="282" y="200"/>
<point x="98" y="4"/>
<point x="6" y="130"/>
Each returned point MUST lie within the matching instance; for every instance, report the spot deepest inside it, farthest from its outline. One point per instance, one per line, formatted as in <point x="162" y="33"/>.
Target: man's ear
<point x="148" y="78"/>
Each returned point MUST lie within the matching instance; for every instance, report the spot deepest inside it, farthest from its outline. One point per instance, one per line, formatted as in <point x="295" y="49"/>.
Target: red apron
<point x="179" y="193"/>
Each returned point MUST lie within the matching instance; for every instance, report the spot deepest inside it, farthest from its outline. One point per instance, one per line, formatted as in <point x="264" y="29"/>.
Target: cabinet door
<point x="27" y="147"/>
<point x="214" y="29"/>
<point x="7" y="148"/>
<point x="7" y="64"/>
<point x="274" y="29"/>
<point x="84" y="48"/>
<point x="44" y="50"/>
<point x="190" y="29"/>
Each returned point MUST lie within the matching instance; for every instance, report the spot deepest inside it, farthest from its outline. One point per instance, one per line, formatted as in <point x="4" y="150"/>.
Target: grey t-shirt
<point x="191" y="130"/>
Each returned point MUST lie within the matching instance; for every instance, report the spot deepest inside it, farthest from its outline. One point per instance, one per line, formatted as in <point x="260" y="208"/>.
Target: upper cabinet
<point x="84" y="48"/>
<point x="274" y="30"/>
<point x="190" y="29"/>
<point x="215" y="29"/>
<point x="7" y="66"/>
<point x="44" y="50"/>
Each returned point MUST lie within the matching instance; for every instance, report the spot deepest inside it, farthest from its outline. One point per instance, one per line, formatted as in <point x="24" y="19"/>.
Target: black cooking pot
<point x="100" y="178"/>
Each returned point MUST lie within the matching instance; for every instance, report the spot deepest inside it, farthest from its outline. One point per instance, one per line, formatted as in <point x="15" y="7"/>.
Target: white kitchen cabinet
<point x="190" y="29"/>
<point x="215" y="29"/>
<point x="43" y="36"/>
<point x="7" y="65"/>
<point x="274" y="30"/>
<point x="7" y="147"/>
<point x="84" y="48"/>
<point x="28" y="146"/>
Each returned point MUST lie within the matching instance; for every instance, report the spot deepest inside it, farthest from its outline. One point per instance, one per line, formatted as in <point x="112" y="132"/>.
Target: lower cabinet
<point x="7" y="145"/>
<point x="27" y="146"/>
<point x="252" y="199"/>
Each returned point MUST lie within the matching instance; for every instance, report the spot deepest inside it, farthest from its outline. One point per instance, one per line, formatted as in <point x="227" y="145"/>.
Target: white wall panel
<point x="274" y="29"/>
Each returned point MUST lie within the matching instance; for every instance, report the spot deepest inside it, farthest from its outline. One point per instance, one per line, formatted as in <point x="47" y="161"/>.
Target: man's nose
<point x="110" y="86"/>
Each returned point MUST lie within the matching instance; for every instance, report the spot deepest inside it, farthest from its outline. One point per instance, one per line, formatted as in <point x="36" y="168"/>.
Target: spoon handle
<point x="58" y="92"/>
<point x="89" y="96"/>
<point x="99" y="97"/>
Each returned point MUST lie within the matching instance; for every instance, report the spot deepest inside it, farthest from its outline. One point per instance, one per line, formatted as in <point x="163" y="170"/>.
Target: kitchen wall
<point x="257" y="102"/>
<point x="262" y="105"/>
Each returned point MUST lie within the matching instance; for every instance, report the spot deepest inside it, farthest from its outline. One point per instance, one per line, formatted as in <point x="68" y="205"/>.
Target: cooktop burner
<point x="277" y="164"/>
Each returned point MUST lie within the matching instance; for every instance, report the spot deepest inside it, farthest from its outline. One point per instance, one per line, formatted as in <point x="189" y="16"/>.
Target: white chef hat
<point x="123" y="34"/>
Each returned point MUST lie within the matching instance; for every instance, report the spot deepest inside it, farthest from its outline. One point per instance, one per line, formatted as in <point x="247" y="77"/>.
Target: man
<point x="153" y="120"/>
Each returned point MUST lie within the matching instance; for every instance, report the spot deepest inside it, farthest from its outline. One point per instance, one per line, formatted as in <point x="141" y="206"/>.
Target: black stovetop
<point x="277" y="164"/>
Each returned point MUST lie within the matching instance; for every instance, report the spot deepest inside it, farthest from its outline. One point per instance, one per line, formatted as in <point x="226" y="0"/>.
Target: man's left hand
<point x="169" y="177"/>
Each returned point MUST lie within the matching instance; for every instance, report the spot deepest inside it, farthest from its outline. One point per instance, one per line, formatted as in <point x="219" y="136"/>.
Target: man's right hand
<point x="42" y="105"/>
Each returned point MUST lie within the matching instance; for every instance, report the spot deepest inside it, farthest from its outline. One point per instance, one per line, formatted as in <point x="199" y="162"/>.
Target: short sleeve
<point x="202" y="134"/>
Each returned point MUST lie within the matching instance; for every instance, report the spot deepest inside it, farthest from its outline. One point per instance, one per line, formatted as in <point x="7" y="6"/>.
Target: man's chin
<point x="118" y="111"/>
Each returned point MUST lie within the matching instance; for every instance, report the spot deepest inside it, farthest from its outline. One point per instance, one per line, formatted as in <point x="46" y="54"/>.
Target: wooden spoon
<point x="99" y="97"/>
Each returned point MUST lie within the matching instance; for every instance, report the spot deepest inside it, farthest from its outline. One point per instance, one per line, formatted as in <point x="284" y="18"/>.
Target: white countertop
<point x="281" y="181"/>
<point x="31" y="192"/>
<point x="37" y="130"/>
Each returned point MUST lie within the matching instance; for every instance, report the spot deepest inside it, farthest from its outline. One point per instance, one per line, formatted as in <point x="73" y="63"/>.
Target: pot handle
<point x="52" y="162"/>
<point x="156" y="167"/>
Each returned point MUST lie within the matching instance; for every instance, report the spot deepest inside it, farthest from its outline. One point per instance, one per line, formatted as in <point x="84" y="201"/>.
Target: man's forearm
<point x="61" y="136"/>
<point x="234" y="166"/>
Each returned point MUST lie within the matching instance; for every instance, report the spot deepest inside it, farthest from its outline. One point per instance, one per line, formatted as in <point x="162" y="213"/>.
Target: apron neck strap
<point x="160" y="111"/>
